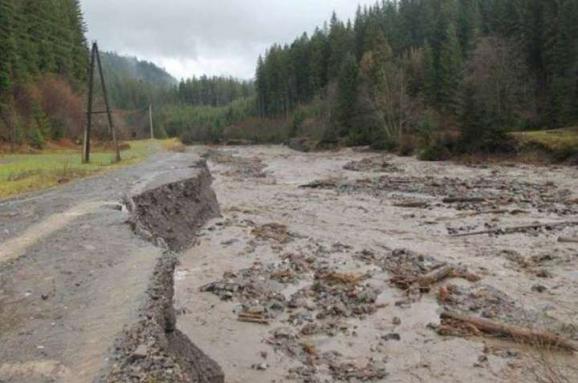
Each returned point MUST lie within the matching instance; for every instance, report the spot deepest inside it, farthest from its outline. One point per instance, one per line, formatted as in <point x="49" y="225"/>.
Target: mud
<point x="321" y="283"/>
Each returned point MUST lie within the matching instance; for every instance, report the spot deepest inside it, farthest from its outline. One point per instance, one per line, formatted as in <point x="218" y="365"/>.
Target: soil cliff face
<point x="168" y="210"/>
<point x="172" y="207"/>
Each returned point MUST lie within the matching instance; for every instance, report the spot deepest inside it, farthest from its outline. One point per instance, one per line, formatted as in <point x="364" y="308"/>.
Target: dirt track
<point x="73" y="273"/>
<point x="316" y="264"/>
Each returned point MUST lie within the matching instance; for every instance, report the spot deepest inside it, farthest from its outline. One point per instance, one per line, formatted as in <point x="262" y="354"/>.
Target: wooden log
<point x="517" y="229"/>
<point x="568" y="239"/>
<point x="412" y="204"/>
<point x="533" y="337"/>
<point x="252" y="318"/>
<point x="463" y="199"/>
<point x="435" y="276"/>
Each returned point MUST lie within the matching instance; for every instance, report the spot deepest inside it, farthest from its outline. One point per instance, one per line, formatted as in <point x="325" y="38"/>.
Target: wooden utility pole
<point x="88" y="127"/>
<point x="151" y="122"/>
<point x="108" y="112"/>
<point x="95" y="55"/>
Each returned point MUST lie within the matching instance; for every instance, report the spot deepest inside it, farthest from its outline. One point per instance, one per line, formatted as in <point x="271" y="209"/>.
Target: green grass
<point x="20" y="173"/>
<point x="560" y="143"/>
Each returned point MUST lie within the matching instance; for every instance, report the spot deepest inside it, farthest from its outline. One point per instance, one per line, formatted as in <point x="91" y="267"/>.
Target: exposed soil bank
<point x="168" y="210"/>
<point x="173" y="206"/>
<point x="153" y="350"/>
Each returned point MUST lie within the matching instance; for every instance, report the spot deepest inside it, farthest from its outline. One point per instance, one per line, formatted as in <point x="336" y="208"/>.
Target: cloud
<point x="215" y="37"/>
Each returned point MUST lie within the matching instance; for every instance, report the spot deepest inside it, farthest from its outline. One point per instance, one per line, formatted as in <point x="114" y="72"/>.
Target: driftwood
<point x="543" y="338"/>
<point x="412" y="204"/>
<point x="425" y="281"/>
<point x="463" y="199"/>
<point x="252" y="318"/>
<point x="568" y="239"/>
<point x="341" y="278"/>
<point x="518" y="229"/>
<point x="435" y="276"/>
<point x="321" y="184"/>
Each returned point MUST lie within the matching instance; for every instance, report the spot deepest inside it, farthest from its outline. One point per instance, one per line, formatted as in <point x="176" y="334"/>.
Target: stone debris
<point x="328" y="326"/>
<point x="240" y="167"/>
<point x="253" y="287"/>
<point x="350" y="371"/>
<point x="479" y="194"/>
<point x="374" y="165"/>
<point x="410" y="270"/>
<point x="272" y="232"/>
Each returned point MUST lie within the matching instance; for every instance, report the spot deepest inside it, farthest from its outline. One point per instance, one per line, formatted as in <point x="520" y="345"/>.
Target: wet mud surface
<point x="329" y="267"/>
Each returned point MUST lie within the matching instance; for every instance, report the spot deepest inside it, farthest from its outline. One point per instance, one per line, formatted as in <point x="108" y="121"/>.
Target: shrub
<point x="35" y="138"/>
<point x="435" y="152"/>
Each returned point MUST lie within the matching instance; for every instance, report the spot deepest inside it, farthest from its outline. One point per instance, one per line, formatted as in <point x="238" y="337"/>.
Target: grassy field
<point x="559" y="144"/>
<point x="21" y="173"/>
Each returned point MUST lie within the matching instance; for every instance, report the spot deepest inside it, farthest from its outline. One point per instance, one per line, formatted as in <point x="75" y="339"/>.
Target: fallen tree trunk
<point x="252" y="318"/>
<point x="568" y="239"/>
<point x="412" y="204"/>
<point x="435" y="276"/>
<point x="463" y="199"/>
<point x="518" y="229"/>
<point x="533" y="337"/>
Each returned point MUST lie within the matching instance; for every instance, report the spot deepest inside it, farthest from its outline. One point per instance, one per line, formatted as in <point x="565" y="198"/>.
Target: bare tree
<point x="389" y="78"/>
<point x="496" y="75"/>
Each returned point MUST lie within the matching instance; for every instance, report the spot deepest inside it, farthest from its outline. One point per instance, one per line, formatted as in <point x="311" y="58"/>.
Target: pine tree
<point x="340" y="46"/>
<point x="449" y="71"/>
<point x="261" y="88"/>
<point x="7" y="44"/>
<point x="346" y="98"/>
<point x="468" y="24"/>
<point x="430" y="75"/>
<point x="78" y="41"/>
<point x="319" y="49"/>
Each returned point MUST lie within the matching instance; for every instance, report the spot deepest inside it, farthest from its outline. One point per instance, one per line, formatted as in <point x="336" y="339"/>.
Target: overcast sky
<point x="215" y="37"/>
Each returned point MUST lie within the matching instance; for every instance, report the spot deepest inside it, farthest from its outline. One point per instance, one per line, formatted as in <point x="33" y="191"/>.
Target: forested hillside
<point x="200" y="108"/>
<point x="42" y="70"/>
<point x="43" y="76"/>
<point x="133" y="83"/>
<point x="438" y="75"/>
<point x="452" y="73"/>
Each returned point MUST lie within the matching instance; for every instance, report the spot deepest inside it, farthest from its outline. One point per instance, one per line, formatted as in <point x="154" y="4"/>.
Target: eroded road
<point x="310" y="275"/>
<point x="73" y="273"/>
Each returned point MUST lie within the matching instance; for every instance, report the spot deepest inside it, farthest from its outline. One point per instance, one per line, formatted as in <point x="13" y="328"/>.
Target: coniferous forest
<point x="453" y="73"/>
<point x="438" y="75"/>
<point x="43" y="61"/>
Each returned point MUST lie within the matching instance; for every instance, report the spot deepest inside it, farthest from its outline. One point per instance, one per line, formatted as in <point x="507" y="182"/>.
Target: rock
<point x="396" y="321"/>
<point x="141" y="352"/>
<point x="260" y="366"/>
<point x="539" y="288"/>
<point x="543" y="274"/>
<point x="392" y="336"/>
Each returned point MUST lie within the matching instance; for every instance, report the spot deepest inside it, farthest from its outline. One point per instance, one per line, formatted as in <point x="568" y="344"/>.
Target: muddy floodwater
<point x="315" y="272"/>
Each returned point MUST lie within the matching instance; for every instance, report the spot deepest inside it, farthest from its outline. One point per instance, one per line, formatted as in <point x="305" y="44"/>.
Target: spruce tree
<point x="346" y="97"/>
<point x="7" y="44"/>
<point x="449" y="71"/>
